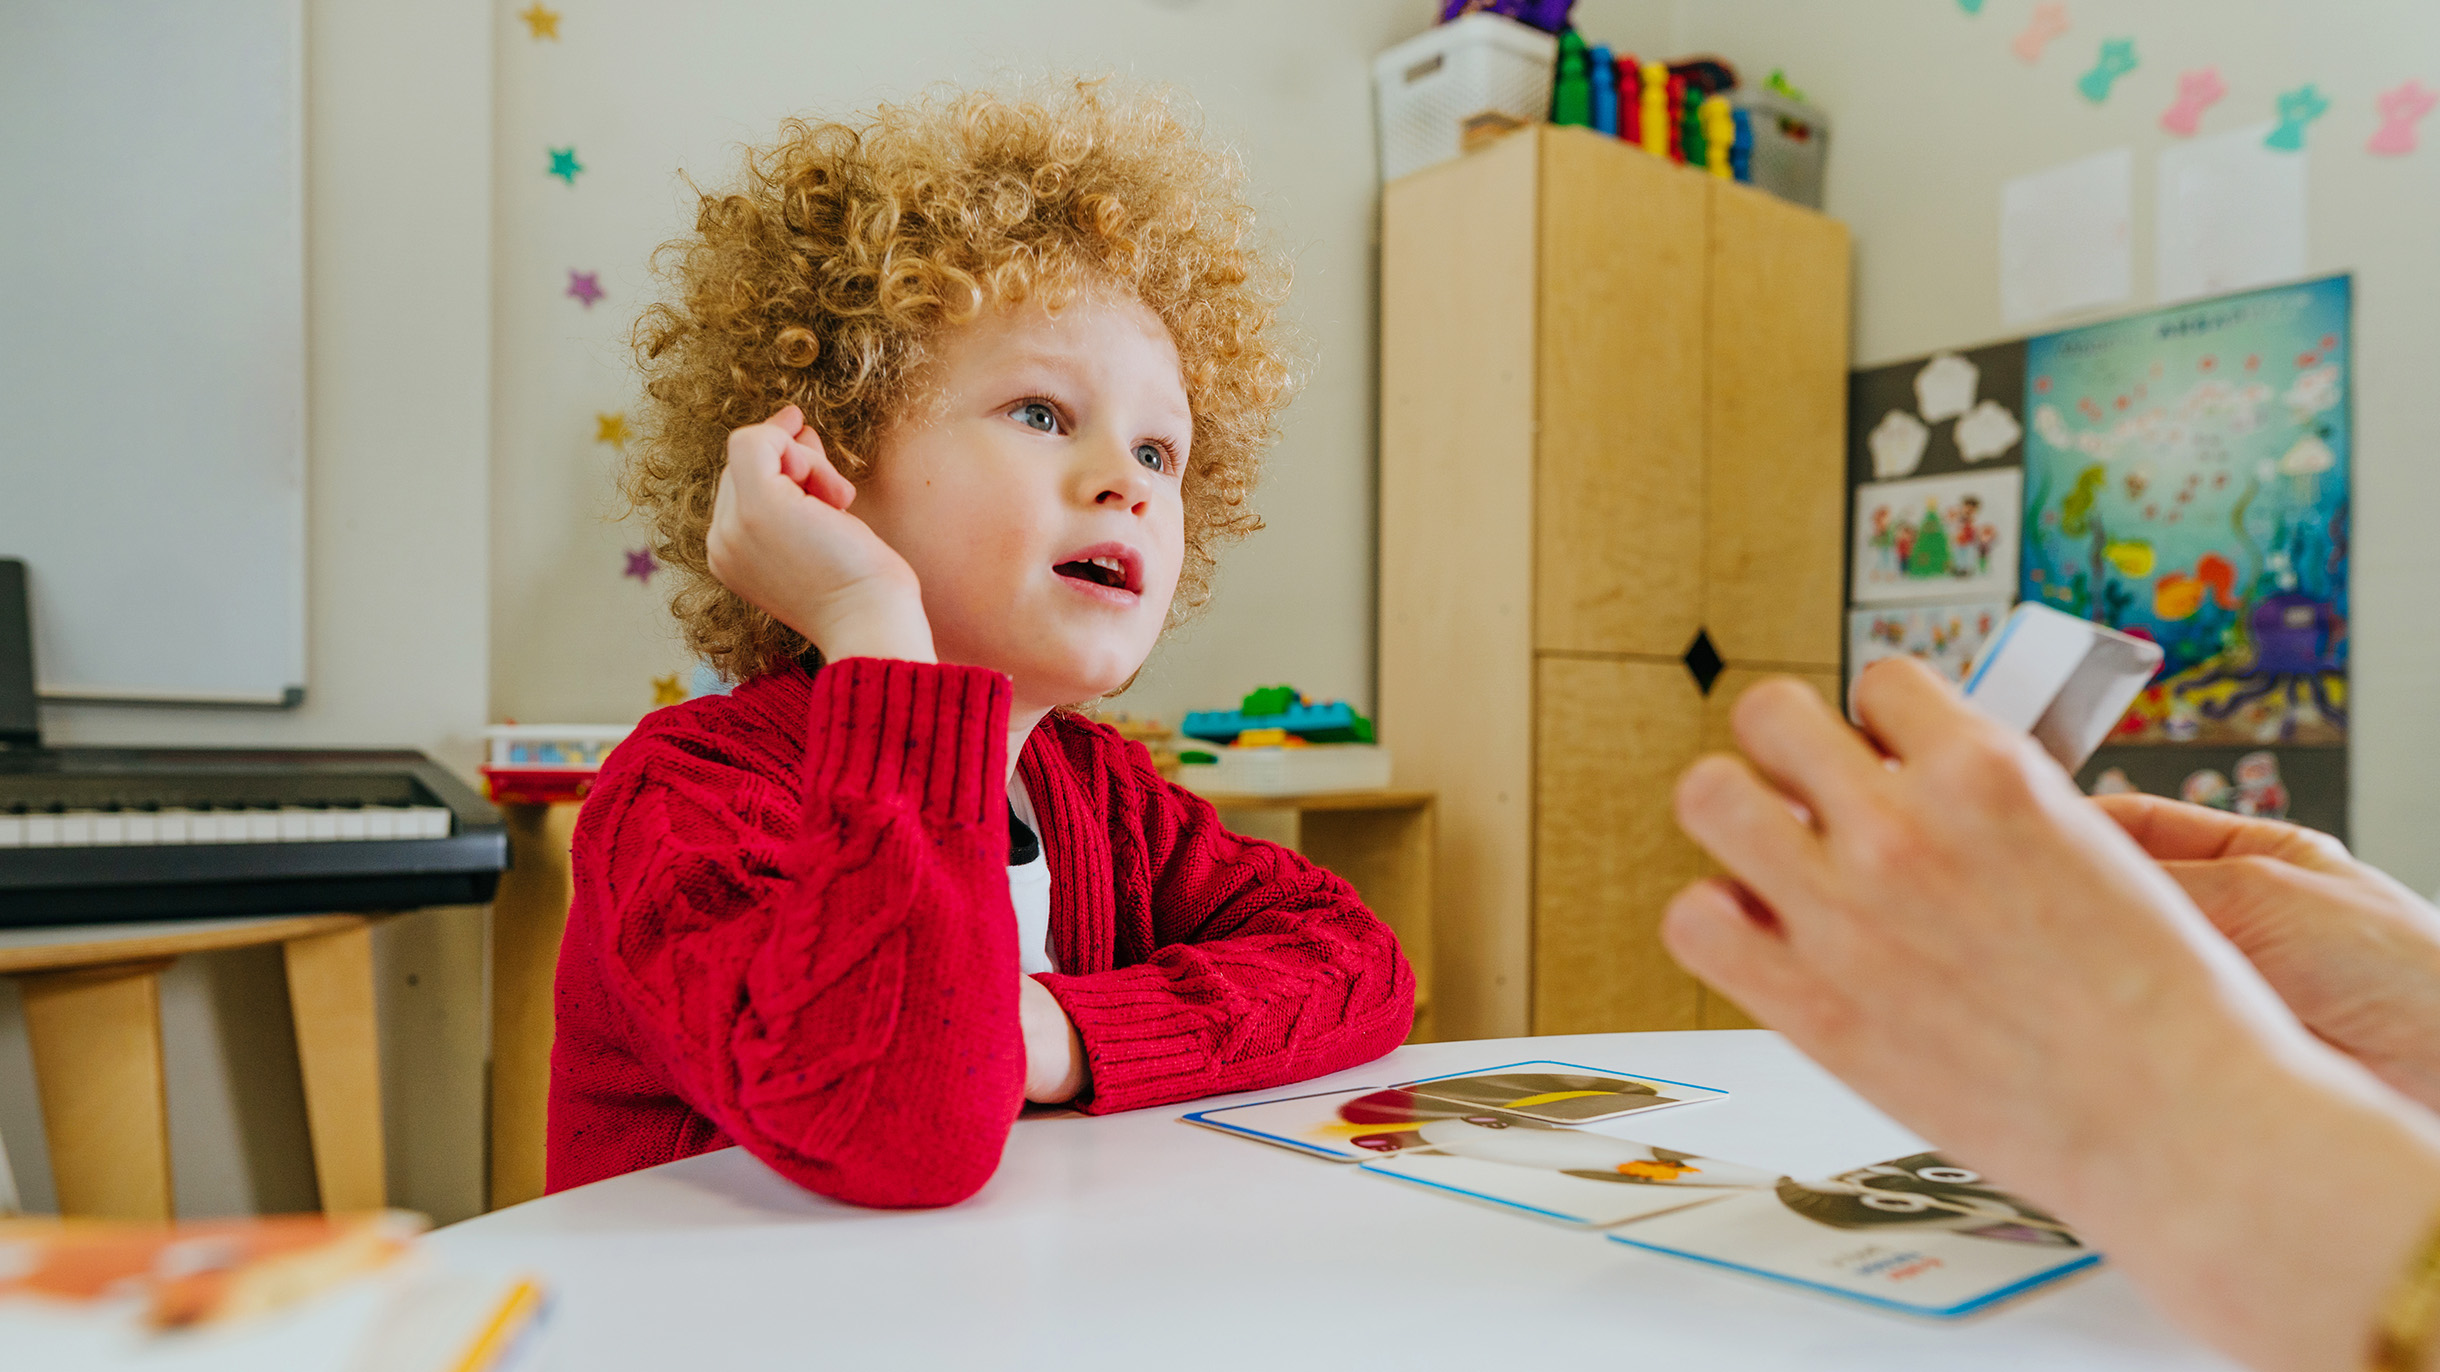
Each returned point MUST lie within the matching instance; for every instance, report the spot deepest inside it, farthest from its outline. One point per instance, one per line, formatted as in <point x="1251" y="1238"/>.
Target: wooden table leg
<point x="1387" y="856"/>
<point x="330" y="992"/>
<point x="96" y="1039"/>
<point x="528" y="915"/>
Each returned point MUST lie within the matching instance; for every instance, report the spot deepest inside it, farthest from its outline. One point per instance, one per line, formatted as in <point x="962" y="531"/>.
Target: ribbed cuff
<point x="1140" y="1041"/>
<point x="931" y="734"/>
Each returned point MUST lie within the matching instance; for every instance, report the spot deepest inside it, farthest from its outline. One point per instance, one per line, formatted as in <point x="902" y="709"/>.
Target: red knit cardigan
<point x="792" y="931"/>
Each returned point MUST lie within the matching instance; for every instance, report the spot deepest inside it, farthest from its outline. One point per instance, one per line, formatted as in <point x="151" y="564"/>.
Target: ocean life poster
<point x="1936" y="538"/>
<point x="2187" y="481"/>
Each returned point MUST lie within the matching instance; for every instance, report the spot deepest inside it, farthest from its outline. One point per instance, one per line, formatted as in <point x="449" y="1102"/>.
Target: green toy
<point x="1571" y="94"/>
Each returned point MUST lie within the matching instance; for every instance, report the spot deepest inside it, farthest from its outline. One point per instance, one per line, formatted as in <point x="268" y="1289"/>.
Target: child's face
<point x="1037" y="494"/>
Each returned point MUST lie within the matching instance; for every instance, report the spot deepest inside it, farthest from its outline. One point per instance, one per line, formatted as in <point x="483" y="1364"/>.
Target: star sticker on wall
<point x="667" y="691"/>
<point x="564" y="164"/>
<point x="610" y="429"/>
<point x="641" y="565"/>
<point x="541" y="23"/>
<point x="585" y="286"/>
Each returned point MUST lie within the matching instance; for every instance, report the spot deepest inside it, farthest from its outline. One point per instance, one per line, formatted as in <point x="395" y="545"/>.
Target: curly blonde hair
<point x="823" y="278"/>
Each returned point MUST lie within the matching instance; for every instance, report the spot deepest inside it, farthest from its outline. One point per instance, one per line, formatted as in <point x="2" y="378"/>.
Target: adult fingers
<point x="1796" y="739"/>
<point x="1726" y="937"/>
<point x="1909" y="710"/>
<point x="1740" y="820"/>
<point x="2172" y="831"/>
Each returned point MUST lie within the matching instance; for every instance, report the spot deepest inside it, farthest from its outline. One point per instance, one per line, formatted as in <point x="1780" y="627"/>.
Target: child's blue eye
<point x="1152" y="455"/>
<point x="1034" y="414"/>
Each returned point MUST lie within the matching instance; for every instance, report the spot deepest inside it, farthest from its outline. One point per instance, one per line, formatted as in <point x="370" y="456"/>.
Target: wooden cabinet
<point x="1612" y="421"/>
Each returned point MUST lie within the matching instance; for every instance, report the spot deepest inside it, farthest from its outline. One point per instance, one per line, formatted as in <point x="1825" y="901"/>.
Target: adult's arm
<point x="845" y="1005"/>
<point x="2350" y="949"/>
<point x="1266" y="969"/>
<point x="1938" y="917"/>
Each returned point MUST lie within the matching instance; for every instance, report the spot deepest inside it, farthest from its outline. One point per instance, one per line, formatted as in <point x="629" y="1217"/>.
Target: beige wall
<point x="1930" y="113"/>
<point x="398" y="240"/>
<point x="647" y="91"/>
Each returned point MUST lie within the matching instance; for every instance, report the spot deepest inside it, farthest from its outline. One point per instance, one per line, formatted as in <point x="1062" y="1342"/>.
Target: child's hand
<point x="1054" y="1055"/>
<point x="782" y="538"/>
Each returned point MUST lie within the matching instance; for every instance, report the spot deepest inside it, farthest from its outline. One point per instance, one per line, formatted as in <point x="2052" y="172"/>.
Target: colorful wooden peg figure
<point x="2401" y="109"/>
<point x="1653" y="123"/>
<point x="2049" y="22"/>
<point x="2197" y="91"/>
<point x="1571" y="90"/>
<point x="2117" y="59"/>
<point x="1719" y="136"/>
<point x="1630" y="79"/>
<point x="2297" y="108"/>
<point x="1604" y="75"/>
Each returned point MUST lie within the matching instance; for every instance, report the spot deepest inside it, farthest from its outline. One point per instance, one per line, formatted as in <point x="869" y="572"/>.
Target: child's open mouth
<point x="1113" y="566"/>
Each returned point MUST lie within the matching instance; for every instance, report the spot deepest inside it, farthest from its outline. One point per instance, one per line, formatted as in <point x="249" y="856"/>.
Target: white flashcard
<point x="2066" y="681"/>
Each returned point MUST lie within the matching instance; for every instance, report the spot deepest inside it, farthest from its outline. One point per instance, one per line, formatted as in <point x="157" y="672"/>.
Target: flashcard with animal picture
<point x="1559" y="1092"/>
<point x="1349" y="1126"/>
<point x="1920" y="1235"/>
<point x="1572" y="1175"/>
<point x="1937" y="538"/>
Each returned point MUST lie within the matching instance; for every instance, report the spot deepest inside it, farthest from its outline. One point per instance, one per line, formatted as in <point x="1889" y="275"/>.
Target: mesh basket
<point x="1457" y="84"/>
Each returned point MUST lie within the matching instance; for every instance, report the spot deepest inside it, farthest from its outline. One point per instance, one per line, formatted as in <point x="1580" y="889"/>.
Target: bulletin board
<point x="2182" y="475"/>
<point x="152" y="348"/>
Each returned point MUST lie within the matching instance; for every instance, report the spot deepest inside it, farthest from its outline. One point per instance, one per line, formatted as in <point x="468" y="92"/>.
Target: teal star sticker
<point x="564" y="164"/>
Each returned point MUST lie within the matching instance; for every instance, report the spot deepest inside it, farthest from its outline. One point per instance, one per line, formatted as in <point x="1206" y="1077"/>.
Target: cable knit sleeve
<point x="838" y="995"/>
<point x="1264" y="969"/>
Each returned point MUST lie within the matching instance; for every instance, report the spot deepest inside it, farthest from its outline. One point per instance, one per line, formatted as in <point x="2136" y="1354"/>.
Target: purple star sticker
<point x="641" y="566"/>
<point x="585" y="286"/>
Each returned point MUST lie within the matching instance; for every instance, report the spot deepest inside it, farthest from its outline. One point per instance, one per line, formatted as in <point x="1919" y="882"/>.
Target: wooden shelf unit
<point x="1613" y="396"/>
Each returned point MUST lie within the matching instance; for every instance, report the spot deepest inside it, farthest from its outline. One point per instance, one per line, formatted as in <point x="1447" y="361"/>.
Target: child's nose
<point x="1115" y="478"/>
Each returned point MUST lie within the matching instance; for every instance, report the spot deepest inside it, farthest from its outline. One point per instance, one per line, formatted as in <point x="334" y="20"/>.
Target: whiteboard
<point x="152" y="344"/>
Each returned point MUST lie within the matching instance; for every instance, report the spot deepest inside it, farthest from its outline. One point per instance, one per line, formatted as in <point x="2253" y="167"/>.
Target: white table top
<point x="1139" y="1242"/>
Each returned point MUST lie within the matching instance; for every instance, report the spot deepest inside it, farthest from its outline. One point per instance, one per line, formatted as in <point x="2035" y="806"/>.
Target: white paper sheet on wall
<point x="2231" y="215"/>
<point x="2065" y="237"/>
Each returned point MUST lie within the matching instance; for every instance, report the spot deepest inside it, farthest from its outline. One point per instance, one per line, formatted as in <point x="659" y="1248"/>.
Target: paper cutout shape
<point x="1938" y="538"/>
<point x="1945" y="387"/>
<point x="2066" y="237"/>
<point x="2297" y="108"/>
<point x="1897" y="444"/>
<point x="1970" y="6"/>
<point x="610" y="429"/>
<point x="641" y="565"/>
<point x="2049" y="22"/>
<point x="585" y="286"/>
<point x="2117" y="59"/>
<point x="540" y="23"/>
<point x="667" y="691"/>
<point x="2401" y="109"/>
<point x="564" y="164"/>
<point x="2197" y="91"/>
<point x="1987" y="431"/>
<point x="2230" y="215"/>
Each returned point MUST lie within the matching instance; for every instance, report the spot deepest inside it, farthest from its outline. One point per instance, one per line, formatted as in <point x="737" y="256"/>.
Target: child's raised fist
<point x="782" y="538"/>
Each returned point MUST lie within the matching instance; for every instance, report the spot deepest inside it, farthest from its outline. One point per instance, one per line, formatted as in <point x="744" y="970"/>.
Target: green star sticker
<point x="564" y="164"/>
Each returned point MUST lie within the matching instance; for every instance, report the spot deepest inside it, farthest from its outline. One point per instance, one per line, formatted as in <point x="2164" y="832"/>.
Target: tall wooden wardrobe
<point x="1613" y="401"/>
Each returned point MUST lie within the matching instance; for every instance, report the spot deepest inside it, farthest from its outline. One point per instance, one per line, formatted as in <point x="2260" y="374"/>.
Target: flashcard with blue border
<point x="1574" y="1176"/>
<point x="1918" y="1235"/>
<point x="1559" y="1092"/>
<point x="1350" y="1126"/>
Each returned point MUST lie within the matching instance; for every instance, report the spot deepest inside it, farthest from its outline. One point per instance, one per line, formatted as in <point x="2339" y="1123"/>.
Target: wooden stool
<point x="528" y="915"/>
<point x="93" y="1018"/>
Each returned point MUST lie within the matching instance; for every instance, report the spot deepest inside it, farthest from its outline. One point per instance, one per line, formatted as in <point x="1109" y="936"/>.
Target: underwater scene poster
<point x="2187" y="481"/>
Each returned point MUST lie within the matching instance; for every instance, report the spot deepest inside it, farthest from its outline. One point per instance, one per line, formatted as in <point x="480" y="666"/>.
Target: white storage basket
<point x="1484" y="70"/>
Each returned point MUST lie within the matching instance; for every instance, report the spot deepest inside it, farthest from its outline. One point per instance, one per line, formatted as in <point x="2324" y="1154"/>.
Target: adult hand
<point x="2353" y="952"/>
<point x="1945" y="922"/>
<point x="781" y="537"/>
<point x="1054" y="1054"/>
